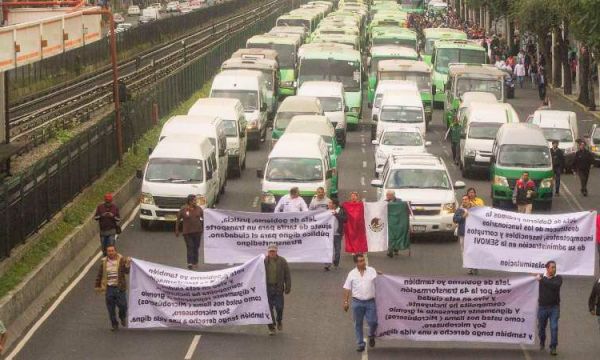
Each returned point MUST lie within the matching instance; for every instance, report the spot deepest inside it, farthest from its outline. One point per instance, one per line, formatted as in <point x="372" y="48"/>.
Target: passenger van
<point x="331" y="97"/>
<point x="400" y="108"/>
<point x="594" y="142"/>
<point x="383" y="52"/>
<point x="471" y="97"/>
<point x="298" y="30"/>
<point x="561" y="126"/>
<point x="256" y="53"/>
<point x="234" y="122"/>
<point x="518" y="148"/>
<point x="290" y="107"/>
<point x="249" y="87"/>
<point x="300" y="160"/>
<point x="180" y="165"/>
<point x="382" y="87"/>
<point x="209" y="126"/>
<point x="480" y="123"/>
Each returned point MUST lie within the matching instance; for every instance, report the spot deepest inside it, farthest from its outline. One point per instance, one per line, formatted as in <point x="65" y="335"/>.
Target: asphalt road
<point x="315" y="325"/>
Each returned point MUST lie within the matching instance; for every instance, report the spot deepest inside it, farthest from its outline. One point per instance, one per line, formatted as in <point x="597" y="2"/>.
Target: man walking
<point x="549" y="305"/>
<point x="291" y="202"/>
<point x="279" y="282"/>
<point x="191" y="216"/>
<point x="524" y="193"/>
<point x="360" y="284"/>
<point x="520" y="73"/>
<point x="582" y="164"/>
<point x="111" y="281"/>
<point x="558" y="164"/>
<point x="107" y="215"/>
<point x="454" y="130"/>
<point x="541" y="82"/>
<point x="319" y="201"/>
<point x="594" y="301"/>
<point x="338" y="229"/>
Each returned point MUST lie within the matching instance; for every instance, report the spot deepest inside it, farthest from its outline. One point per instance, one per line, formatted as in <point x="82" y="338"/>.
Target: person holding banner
<point x="524" y="193"/>
<point x="549" y="305"/>
<point x="360" y="284"/>
<point x="291" y="202"/>
<point x="474" y="199"/>
<point x="460" y="219"/>
<point x="279" y="282"/>
<point x="319" y="201"/>
<point x="191" y="216"/>
<point x="338" y="228"/>
<point x="111" y="281"/>
<point x="594" y="301"/>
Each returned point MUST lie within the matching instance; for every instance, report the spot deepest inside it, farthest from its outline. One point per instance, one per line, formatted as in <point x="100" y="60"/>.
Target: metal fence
<point x="30" y="200"/>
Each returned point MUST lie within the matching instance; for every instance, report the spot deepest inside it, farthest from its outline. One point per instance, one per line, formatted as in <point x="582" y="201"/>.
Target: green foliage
<point x="585" y="22"/>
<point x="537" y="16"/>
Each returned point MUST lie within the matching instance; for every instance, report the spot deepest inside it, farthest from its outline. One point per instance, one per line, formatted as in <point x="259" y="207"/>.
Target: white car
<point x="157" y="6"/>
<point x="423" y="181"/>
<point x="172" y="6"/>
<point x="134" y="10"/>
<point x="398" y="142"/>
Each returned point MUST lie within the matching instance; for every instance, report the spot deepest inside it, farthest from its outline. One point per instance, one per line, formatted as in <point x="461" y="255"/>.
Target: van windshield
<point x="445" y="56"/>
<point x="344" y="71"/>
<point x="493" y="86"/>
<point x="417" y="179"/>
<point x="230" y="128"/>
<point x="286" y="53"/>
<point x="525" y="156"/>
<point x="175" y="170"/>
<point x="402" y="114"/>
<point x="282" y="119"/>
<point x="248" y="98"/>
<point x="331" y="103"/>
<point x="561" y="135"/>
<point x="294" y="170"/>
<point x="483" y="130"/>
<point x="422" y="79"/>
<point x="411" y="43"/>
<point x="399" y="138"/>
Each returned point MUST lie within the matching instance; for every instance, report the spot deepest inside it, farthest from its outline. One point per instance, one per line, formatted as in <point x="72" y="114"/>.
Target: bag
<point x="118" y="229"/>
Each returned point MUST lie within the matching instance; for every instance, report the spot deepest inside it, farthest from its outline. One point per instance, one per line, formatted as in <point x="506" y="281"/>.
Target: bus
<point x="394" y="36"/>
<point x="379" y="53"/>
<point x="434" y="34"/>
<point x="335" y="62"/>
<point x="413" y="6"/>
<point x="452" y="51"/>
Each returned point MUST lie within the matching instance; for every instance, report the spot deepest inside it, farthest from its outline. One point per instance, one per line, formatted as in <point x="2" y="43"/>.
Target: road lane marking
<point x="365" y="354"/>
<point x="569" y="193"/>
<point x="192" y="348"/>
<point x="525" y="352"/>
<point x="363" y="140"/>
<point x="362" y="180"/>
<point x="255" y="202"/>
<point x="62" y="296"/>
<point x="364" y="164"/>
<point x="363" y="150"/>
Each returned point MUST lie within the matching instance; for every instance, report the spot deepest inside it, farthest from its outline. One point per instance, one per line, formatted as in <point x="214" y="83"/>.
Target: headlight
<point x="147" y="199"/>
<point x="449" y="208"/>
<point x="547" y="183"/>
<point x="500" y="180"/>
<point x="470" y="152"/>
<point x="287" y="83"/>
<point x="200" y="200"/>
<point x="268" y="198"/>
<point x="355" y="109"/>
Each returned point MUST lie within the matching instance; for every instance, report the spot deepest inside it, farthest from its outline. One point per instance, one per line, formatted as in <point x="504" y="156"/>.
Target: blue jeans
<point x="362" y="309"/>
<point x="105" y="241"/>
<point x="115" y="298"/>
<point x="545" y="313"/>
<point x="557" y="173"/>
<point x="192" y="246"/>
<point x="275" y="301"/>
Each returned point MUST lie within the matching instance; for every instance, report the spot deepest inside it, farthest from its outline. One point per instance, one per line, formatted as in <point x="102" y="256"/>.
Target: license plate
<point x="171" y="217"/>
<point x="419" y="228"/>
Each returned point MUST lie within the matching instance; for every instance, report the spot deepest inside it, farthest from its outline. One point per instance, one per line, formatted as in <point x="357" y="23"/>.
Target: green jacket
<point x="455" y="130"/>
<point x="284" y="280"/>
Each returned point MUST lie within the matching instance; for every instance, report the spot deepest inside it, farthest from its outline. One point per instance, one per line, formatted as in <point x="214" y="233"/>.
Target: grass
<point x="84" y="205"/>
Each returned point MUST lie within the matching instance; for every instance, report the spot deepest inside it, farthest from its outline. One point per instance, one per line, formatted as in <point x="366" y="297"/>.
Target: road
<point x="315" y="325"/>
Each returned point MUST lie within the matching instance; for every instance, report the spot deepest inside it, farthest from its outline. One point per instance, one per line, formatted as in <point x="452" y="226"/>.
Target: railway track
<point x="76" y="103"/>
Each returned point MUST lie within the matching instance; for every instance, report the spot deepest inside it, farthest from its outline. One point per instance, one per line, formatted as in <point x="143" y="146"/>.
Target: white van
<point x="383" y="86"/>
<point x="180" y="165"/>
<point x="149" y="14"/>
<point x="559" y="125"/>
<point x="480" y="123"/>
<point x="290" y="107"/>
<point x="331" y="96"/>
<point x="300" y="160"/>
<point x="249" y="87"/>
<point x="231" y="112"/>
<point x="210" y="126"/>
<point x="400" y="108"/>
<point x="474" y="97"/>
<point x="397" y="142"/>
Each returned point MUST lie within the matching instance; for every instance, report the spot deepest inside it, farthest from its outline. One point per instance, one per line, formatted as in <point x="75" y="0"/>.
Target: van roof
<point x="424" y="160"/>
<point x="393" y="50"/>
<point x="328" y="50"/>
<point x="459" y="69"/>
<point x="521" y="133"/>
<point x="300" y="104"/>
<point x="458" y="43"/>
<point x="322" y="88"/>
<point x="274" y="39"/>
<point x="403" y="65"/>
<point x="477" y="96"/>
<point x="310" y="124"/>
<point x="490" y="112"/>
<point x="385" y="85"/>
<point x="190" y="124"/>
<point x="256" y="52"/>
<point x="554" y="122"/>
<point x="241" y="63"/>
<point x="430" y="32"/>
<point x="227" y="108"/>
<point x="554" y="114"/>
<point x="299" y="145"/>
<point x="235" y="78"/>
<point x="402" y="97"/>
<point x="183" y="147"/>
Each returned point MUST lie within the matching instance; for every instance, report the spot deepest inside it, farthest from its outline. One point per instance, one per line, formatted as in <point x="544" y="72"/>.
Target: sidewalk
<point x="573" y="99"/>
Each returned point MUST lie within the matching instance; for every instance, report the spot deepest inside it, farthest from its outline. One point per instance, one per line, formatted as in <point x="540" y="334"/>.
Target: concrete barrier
<point x="20" y="308"/>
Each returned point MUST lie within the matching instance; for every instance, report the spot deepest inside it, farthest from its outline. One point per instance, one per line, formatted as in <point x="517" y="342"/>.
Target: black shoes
<point x="115" y="327"/>
<point x="124" y="323"/>
<point x="279" y="326"/>
<point x="371" y="341"/>
<point x="553" y="352"/>
<point x="360" y="348"/>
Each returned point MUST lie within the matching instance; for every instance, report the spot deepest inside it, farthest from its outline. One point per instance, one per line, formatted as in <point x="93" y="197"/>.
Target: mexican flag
<point x="355" y="236"/>
<point x="398" y="225"/>
<point x="387" y="225"/>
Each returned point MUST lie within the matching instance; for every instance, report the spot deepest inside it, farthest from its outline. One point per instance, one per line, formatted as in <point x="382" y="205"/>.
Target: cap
<point x="108" y="197"/>
<point x="272" y="246"/>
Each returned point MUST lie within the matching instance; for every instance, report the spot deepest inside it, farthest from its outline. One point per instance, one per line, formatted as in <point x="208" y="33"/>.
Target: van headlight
<point x="470" y="152"/>
<point x="500" y="180"/>
<point x="267" y="198"/>
<point x="146" y="199"/>
<point x="547" y="183"/>
<point x="200" y="200"/>
<point x="449" y="208"/>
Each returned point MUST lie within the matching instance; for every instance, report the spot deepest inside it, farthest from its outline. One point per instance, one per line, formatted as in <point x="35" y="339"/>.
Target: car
<point x="172" y="6"/>
<point x="423" y="181"/>
<point x="134" y="10"/>
<point x="122" y="27"/>
<point x="397" y="142"/>
<point x="118" y="18"/>
<point x="157" y="6"/>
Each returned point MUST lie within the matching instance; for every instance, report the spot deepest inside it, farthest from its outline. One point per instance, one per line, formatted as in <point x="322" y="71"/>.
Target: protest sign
<point x="507" y="241"/>
<point x="235" y="236"/>
<point x="376" y="224"/>
<point x="167" y="297"/>
<point x="499" y="309"/>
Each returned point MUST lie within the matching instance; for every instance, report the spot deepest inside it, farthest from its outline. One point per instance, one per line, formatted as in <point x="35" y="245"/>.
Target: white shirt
<point x="362" y="287"/>
<point x="520" y="70"/>
<point x="287" y="204"/>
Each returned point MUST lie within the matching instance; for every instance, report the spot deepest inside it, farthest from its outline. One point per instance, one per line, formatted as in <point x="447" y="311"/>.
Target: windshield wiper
<point x="158" y="180"/>
<point x="438" y="187"/>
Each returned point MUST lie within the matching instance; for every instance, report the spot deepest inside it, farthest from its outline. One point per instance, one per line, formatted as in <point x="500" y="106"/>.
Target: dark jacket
<point x="460" y="219"/>
<point x="520" y="192"/>
<point x="284" y="280"/>
<point x="583" y="160"/>
<point x="594" y="301"/>
<point x="107" y="223"/>
<point x="558" y="158"/>
<point x="550" y="291"/>
<point x="101" y="278"/>
<point x="340" y="215"/>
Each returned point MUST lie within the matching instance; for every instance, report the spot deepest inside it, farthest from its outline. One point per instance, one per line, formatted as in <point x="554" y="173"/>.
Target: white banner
<point x="235" y="236"/>
<point x="507" y="241"/>
<point x="498" y="309"/>
<point x="167" y="297"/>
<point x="376" y="223"/>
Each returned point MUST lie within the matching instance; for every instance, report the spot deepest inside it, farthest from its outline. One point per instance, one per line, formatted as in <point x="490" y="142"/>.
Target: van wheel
<point x="145" y="224"/>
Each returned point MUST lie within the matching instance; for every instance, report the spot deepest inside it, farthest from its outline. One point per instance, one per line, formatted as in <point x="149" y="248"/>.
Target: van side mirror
<point x="377" y="183"/>
<point x="260" y="173"/>
<point x="139" y="173"/>
<point x="459" y="185"/>
<point x="376" y="142"/>
<point x="329" y="174"/>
